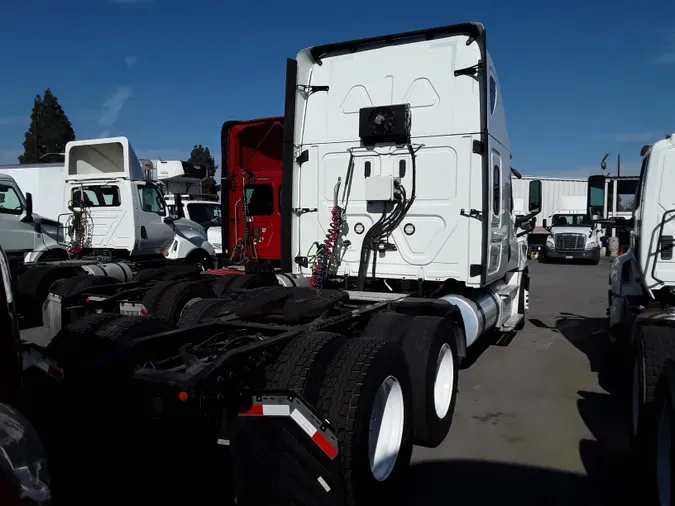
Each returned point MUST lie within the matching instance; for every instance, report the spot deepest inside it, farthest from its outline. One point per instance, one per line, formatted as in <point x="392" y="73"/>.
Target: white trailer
<point x="553" y="188"/>
<point x="44" y="182"/>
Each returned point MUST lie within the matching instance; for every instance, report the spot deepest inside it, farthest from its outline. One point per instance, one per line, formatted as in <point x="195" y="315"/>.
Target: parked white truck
<point x="399" y="251"/>
<point x="183" y="179"/>
<point x="641" y="309"/>
<point x="106" y="208"/>
<point x="110" y="220"/>
<point x="572" y="235"/>
<point x="25" y="235"/>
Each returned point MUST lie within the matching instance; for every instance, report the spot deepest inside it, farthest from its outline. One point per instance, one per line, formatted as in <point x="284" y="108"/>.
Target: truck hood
<point x="189" y="228"/>
<point x="571" y="230"/>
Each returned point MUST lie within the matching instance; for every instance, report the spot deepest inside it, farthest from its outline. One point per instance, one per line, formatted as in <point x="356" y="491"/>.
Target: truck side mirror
<point x="28" y="212"/>
<point x="529" y="225"/>
<point x="534" y="201"/>
<point x="545" y="223"/>
<point x="179" y="206"/>
<point x="595" y="198"/>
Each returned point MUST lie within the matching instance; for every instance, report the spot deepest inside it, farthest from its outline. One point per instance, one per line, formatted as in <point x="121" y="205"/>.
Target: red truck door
<point x="252" y="153"/>
<point x="262" y="206"/>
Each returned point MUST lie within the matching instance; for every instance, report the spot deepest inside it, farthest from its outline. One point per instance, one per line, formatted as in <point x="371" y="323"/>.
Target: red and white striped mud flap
<point x="317" y="429"/>
<point x="36" y="359"/>
<point x="284" y="452"/>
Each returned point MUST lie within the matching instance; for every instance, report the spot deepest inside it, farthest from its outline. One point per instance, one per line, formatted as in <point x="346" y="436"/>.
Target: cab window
<point x="10" y="203"/>
<point x="95" y="196"/>
<point x="151" y="200"/>
<point x="259" y="199"/>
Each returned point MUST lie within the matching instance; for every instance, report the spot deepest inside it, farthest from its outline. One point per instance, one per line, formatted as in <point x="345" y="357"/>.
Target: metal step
<point x="511" y="323"/>
<point x="509" y="291"/>
<point x="374" y="296"/>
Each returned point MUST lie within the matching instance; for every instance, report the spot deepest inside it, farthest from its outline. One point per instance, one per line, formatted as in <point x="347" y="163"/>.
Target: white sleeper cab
<point x="400" y="169"/>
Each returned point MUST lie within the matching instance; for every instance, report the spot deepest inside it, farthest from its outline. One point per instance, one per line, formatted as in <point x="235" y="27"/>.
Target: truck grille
<point x="570" y="242"/>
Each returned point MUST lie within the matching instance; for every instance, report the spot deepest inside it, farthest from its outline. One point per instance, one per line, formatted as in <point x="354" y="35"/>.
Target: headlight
<point x="591" y="244"/>
<point x="550" y="242"/>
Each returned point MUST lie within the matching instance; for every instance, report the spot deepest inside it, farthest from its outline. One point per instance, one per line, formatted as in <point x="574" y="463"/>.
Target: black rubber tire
<point x="173" y="300"/>
<point x="101" y="352"/>
<point x="653" y="345"/>
<point x="183" y="275"/>
<point x="81" y="283"/>
<point x="200" y="259"/>
<point x="251" y="281"/>
<point x="65" y="344"/>
<point x="301" y="365"/>
<point x="664" y="401"/>
<point x="388" y="326"/>
<point x="148" y="274"/>
<point x="201" y="311"/>
<point x="421" y="346"/>
<point x="346" y="398"/>
<point x="166" y="272"/>
<point x="153" y="296"/>
<point x="220" y="285"/>
<point x="33" y="286"/>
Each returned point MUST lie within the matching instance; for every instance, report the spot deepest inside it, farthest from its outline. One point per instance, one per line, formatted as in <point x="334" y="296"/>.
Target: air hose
<point x="325" y="252"/>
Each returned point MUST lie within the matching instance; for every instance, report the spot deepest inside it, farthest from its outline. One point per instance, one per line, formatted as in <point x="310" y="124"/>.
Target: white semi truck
<point x="572" y="234"/>
<point x="400" y="250"/>
<point x="106" y="218"/>
<point x="106" y="208"/>
<point x="26" y="235"/>
<point x="641" y="309"/>
<point x="183" y="179"/>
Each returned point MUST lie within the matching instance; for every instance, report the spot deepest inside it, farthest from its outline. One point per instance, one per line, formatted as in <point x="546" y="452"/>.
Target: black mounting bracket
<point x="473" y="213"/>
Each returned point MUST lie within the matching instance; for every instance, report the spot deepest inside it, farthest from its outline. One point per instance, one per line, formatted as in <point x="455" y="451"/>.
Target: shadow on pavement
<point x="489" y="483"/>
<point x="607" y="459"/>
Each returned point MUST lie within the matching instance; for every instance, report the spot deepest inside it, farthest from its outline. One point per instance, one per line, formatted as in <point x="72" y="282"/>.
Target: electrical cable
<point x="384" y="226"/>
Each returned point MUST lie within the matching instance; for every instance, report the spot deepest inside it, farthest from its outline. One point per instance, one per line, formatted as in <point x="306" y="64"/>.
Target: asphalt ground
<point x="539" y="419"/>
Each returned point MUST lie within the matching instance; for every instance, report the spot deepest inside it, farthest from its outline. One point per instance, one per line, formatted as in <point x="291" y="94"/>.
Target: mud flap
<point x="281" y="442"/>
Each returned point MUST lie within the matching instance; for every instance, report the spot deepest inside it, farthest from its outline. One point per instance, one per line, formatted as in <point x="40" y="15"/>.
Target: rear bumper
<point x="589" y="254"/>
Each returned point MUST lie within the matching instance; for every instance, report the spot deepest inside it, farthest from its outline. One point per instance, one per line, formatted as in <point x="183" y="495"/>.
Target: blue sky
<point x="579" y="79"/>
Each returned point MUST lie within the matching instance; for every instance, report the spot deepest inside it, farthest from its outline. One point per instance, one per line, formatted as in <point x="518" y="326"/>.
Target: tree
<point x="49" y="131"/>
<point x="201" y="155"/>
<point x="625" y="203"/>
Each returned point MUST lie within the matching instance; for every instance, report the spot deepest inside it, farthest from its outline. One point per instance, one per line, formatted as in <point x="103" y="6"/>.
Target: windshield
<point x="571" y="220"/>
<point x="207" y="215"/>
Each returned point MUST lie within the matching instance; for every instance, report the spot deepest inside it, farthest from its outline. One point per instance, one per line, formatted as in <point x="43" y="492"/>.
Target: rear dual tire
<point x="429" y="344"/>
<point x="653" y="345"/>
<point x="362" y="387"/>
<point x="664" y="443"/>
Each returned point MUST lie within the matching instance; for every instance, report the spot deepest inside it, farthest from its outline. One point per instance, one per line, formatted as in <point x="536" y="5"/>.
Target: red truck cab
<point x="251" y="190"/>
